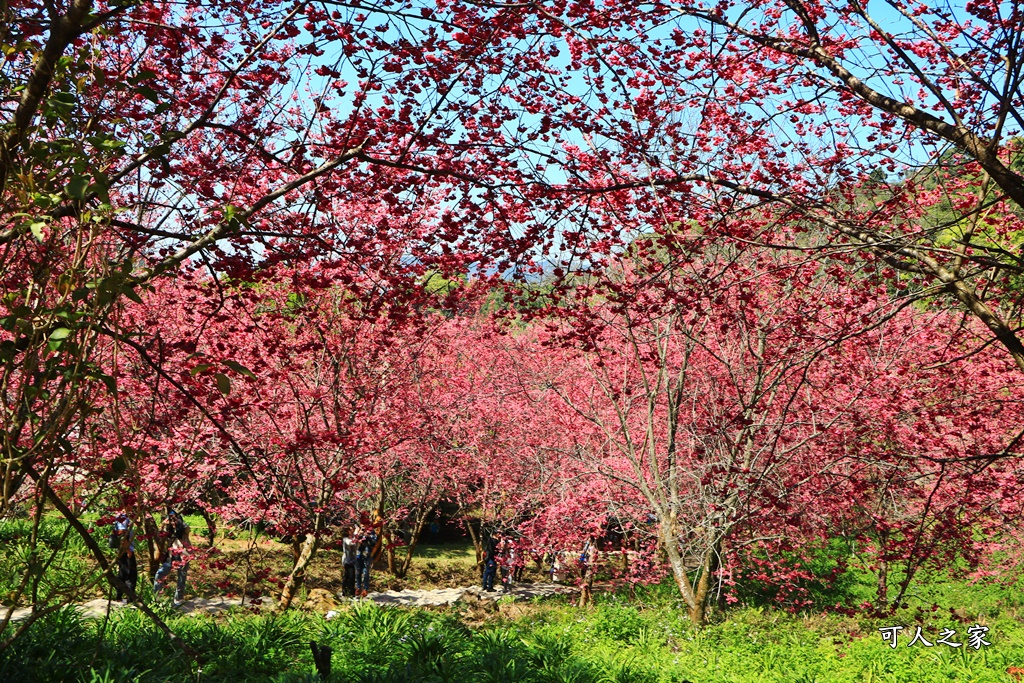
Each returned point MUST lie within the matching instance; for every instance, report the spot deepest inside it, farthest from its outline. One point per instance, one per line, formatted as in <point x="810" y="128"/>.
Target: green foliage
<point x="824" y="580"/>
<point x="65" y="648"/>
<point x="618" y="623"/>
<point x="64" y="555"/>
<point x="615" y="642"/>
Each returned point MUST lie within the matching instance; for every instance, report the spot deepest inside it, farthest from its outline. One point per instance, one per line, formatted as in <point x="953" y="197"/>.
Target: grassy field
<point x="648" y="641"/>
<point x="618" y="640"/>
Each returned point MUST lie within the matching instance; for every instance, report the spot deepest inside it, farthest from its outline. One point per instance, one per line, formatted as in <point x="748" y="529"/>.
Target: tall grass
<point x="62" y="553"/>
<point x="615" y="642"/>
<point x="648" y="640"/>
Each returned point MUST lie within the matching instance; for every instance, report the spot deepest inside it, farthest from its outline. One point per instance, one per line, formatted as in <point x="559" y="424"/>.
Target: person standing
<point x="588" y="568"/>
<point x="506" y="555"/>
<point x="176" y="531"/>
<point x="519" y="560"/>
<point x="558" y="570"/>
<point x="364" y="560"/>
<point x="490" y="567"/>
<point x="127" y="566"/>
<point x="349" y="549"/>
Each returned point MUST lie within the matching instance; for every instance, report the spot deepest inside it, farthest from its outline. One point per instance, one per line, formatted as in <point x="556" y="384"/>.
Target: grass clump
<point x="618" y="640"/>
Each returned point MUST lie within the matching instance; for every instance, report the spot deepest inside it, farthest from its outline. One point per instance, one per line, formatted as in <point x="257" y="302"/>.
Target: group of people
<point x="357" y="554"/>
<point x="503" y="552"/>
<point x="175" y="542"/>
<point x="505" y="557"/>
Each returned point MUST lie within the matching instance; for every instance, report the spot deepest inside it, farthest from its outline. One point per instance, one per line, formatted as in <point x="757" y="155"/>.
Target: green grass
<point x="618" y="641"/>
<point x="615" y="642"/>
<point x="448" y="552"/>
<point x="58" y="549"/>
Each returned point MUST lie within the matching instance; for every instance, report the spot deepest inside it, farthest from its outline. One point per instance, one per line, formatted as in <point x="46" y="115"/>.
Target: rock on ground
<point x="448" y="596"/>
<point x="320" y="600"/>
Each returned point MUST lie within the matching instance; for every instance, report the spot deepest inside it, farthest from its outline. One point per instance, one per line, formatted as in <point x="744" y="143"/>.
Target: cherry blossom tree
<point x="855" y="120"/>
<point x="327" y="161"/>
<point x="725" y="398"/>
<point x="919" y="487"/>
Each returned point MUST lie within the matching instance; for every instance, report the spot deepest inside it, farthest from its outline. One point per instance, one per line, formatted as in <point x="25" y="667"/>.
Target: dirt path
<point x="97" y="609"/>
<point x="448" y="596"/>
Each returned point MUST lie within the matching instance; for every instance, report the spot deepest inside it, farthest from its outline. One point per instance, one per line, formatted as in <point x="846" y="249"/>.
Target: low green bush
<point x="615" y="642"/>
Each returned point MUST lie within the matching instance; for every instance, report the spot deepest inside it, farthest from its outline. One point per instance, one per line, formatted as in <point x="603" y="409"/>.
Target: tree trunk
<point x="154" y="544"/>
<point x="414" y="539"/>
<point x="587" y="582"/>
<point x="388" y="540"/>
<point x="306" y="549"/>
<point x="882" y="587"/>
<point x="587" y="593"/>
<point x="478" y="544"/>
<point x="211" y="526"/>
<point x="670" y="546"/>
<point x="698" y="614"/>
<point x="708" y="568"/>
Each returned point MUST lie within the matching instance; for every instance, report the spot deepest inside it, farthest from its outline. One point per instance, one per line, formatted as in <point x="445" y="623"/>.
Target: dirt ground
<point x="262" y="566"/>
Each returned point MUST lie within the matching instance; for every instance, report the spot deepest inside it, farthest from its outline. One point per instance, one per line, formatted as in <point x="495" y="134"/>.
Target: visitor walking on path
<point x="123" y="538"/>
<point x="175" y="556"/>
<point x="349" y="550"/>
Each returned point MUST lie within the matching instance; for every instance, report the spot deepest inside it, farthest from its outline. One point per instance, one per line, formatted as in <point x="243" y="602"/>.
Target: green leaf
<point x="143" y="75"/>
<point x="37" y="229"/>
<point x="61" y="102"/>
<point x="78" y="186"/>
<point x="148" y="93"/>
<point x="65" y="444"/>
<point x="107" y="380"/>
<point x="119" y="465"/>
<point x="223" y="383"/>
<point x="202" y="367"/>
<point x="57" y="338"/>
<point x="240" y="369"/>
<point x="8" y="351"/>
<point x="129" y="291"/>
